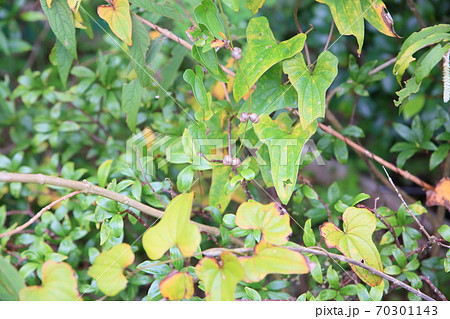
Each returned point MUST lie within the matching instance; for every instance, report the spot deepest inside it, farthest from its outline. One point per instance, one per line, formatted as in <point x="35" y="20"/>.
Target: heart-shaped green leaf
<point x="311" y="88"/>
<point x="108" y="268"/>
<point x="58" y="284"/>
<point x="263" y="52"/>
<point x="174" y="229"/>
<point x="219" y="196"/>
<point x="274" y="226"/>
<point x="119" y="19"/>
<point x="285" y="146"/>
<point x="220" y="280"/>
<point x="177" y="286"/>
<point x="355" y="242"/>
<point x="270" y="259"/>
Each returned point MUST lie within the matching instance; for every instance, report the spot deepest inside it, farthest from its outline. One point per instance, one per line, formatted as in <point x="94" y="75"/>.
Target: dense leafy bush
<point x="204" y="150"/>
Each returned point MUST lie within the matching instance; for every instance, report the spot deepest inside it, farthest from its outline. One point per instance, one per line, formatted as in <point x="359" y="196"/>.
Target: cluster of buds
<point x="231" y="161"/>
<point x="253" y="117"/>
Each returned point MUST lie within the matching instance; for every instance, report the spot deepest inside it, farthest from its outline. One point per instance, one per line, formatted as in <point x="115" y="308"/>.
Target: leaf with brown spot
<point x="441" y="194"/>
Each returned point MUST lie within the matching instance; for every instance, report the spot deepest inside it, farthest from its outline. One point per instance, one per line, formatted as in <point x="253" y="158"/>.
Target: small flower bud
<point x="244" y="117"/>
<point x="254" y="118"/>
<point x="236" y="162"/>
<point x="227" y="160"/>
<point x="236" y="53"/>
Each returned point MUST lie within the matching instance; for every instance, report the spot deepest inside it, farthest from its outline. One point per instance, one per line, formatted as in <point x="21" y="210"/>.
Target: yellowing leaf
<point x="220" y="280"/>
<point x="58" y="284"/>
<point x="177" y="286"/>
<point x="254" y="5"/>
<point x="108" y="268"/>
<point x="49" y="3"/>
<point x="270" y="259"/>
<point x="263" y="52"/>
<point x="355" y="242"/>
<point x="311" y="88"/>
<point x="118" y="17"/>
<point x="74" y="5"/>
<point x="174" y="229"/>
<point x="441" y="194"/>
<point x="285" y="146"/>
<point x="376" y="13"/>
<point x="348" y="16"/>
<point x="274" y="226"/>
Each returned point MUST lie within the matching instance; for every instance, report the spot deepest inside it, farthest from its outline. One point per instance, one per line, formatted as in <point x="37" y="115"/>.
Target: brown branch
<point x="385" y="223"/>
<point x="177" y="39"/>
<point x="433" y="287"/>
<point x="138" y="218"/>
<point x="299" y="28"/>
<point x="39" y="214"/>
<point x="217" y="251"/>
<point x="422" y="228"/>
<point x="413" y="8"/>
<point x="376" y="158"/>
<point x="88" y="188"/>
<point x="329" y="36"/>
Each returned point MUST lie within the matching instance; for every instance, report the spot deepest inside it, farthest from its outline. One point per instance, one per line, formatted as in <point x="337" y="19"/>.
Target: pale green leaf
<point x="220" y="280"/>
<point x="355" y="242"/>
<point x="273" y="225"/>
<point x="254" y="5"/>
<point x="103" y="172"/>
<point x="108" y="268"/>
<point x="11" y="282"/>
<point x="174" y="229"/>
<point x="119" y="19"/>
<point x="206" y="14"/>
<point x="270" y="259"/>
<point x="58" y="284"/>
<point x="219" y="196"/>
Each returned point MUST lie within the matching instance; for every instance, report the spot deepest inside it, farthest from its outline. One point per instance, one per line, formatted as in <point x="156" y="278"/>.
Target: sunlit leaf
<point x="274" y="226"/>
<point x="440" y="195"/>
<point x="103" y="172"/>
<point x="263" y="52"/>
<point x="108" y="268"/>
<point x="58" y="284"/>
<point x="376" y="13"/>
<point x="118" y="17"/>
<point x="220" y="279"/>
<point x="270" y="259"/>
<point x="254" y="5"/>
<point x="177" y="286"/>
<point x="285" y="146"/>
<point x="174" y="229"/>
<point x="311" y="87"/>
<point x="355" y="242"/>
<point x="348" y="16"/>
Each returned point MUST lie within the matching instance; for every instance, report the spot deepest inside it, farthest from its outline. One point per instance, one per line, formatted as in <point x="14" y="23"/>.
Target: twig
<point x="217" y="251"/>
<point x="329" y="36"/>
<point x="422" y="228"/>
<point x="177" y="39"/>
<point x="385" y="223"/>
<point x="433" y="287"/>
<point x="376" y="158"/>
<point x="383" y="66"/>
<point x="145" y="178"/>
<point x="138" y="218"/>
<point x="39" y="214"/>
<point x="299" y="28"/>
<point x="88" y="188"/>
<point x="413" y="8"/>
